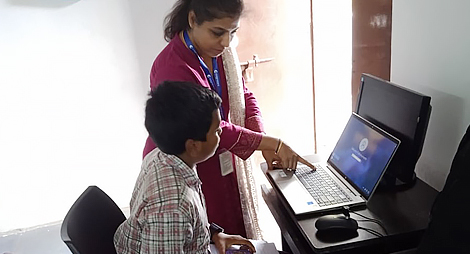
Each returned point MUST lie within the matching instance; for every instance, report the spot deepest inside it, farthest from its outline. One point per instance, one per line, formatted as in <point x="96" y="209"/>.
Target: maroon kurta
<point x="178" y="63"/>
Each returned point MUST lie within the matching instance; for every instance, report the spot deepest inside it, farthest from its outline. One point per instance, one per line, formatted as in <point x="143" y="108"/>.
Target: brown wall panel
<point x="371" y="41"/>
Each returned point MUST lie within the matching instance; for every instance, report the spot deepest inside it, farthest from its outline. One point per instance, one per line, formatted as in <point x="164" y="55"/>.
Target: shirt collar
<point x="189" y="174"/>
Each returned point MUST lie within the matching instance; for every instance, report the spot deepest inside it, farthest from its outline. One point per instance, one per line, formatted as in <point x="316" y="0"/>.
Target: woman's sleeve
<point x="253" y="119"/>
<point x="239" y="140"/>
<point x="243" y="141"/>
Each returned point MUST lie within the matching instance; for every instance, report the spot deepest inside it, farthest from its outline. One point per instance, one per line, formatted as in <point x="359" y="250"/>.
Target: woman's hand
<point x="271" y="159"/>
<point x="287" y="156"/>
<point x="276" y="151"/>
<point x="290" y="157"/>
<point x="223" y="241"/>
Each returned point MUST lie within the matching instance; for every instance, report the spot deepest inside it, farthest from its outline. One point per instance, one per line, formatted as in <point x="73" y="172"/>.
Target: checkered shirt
<point x="167" y="210"/>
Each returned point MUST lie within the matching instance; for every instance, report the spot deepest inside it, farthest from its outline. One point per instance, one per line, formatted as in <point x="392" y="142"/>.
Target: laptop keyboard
<point x="321" y="186"/>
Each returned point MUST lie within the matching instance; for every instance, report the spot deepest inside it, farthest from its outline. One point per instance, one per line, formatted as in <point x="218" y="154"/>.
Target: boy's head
<point x="178" y="112"/>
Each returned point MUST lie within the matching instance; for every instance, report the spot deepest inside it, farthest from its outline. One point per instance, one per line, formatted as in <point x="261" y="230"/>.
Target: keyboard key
<point x="320" y="185"/>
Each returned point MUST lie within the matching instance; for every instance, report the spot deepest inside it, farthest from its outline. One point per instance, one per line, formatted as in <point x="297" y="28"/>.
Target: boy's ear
<point x="193" y="147"/>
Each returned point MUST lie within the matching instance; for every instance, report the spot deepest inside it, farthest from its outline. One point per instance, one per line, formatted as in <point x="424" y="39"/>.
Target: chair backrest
<point x="89" y="226"/>
<point x="449" y="227"/>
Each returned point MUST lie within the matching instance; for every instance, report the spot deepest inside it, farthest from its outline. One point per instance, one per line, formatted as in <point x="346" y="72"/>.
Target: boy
<point x="167" y="209"/>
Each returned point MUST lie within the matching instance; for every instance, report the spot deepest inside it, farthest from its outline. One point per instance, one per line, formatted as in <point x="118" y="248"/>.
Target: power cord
<point x="378" y="222"/>
<point x="374" y="232"/>
<point x="347" y="211"/>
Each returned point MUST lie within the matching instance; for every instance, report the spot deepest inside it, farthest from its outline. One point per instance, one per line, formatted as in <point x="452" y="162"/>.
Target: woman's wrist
<point x="268" y="143"/>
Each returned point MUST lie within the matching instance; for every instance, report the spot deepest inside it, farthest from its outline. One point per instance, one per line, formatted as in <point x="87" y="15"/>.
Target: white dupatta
<point x="246" y="181"/>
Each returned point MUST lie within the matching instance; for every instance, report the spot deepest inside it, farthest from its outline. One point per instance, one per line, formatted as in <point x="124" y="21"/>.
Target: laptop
<point x="348" y="178"/>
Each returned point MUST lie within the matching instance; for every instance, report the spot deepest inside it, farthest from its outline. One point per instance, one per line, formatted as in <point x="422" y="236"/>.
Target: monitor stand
<point x="392" y="183"/>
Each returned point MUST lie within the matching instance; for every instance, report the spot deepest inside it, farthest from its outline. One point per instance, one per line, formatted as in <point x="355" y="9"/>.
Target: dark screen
<point x="401" y="112"/>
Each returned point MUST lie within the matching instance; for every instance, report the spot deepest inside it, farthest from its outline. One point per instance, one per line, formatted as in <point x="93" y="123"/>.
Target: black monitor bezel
<point x="406" y="173"/>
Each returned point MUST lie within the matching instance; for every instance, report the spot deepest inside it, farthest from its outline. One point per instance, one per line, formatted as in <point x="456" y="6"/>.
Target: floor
<point x="39" y="240"/>
<point x="46" y="239"/>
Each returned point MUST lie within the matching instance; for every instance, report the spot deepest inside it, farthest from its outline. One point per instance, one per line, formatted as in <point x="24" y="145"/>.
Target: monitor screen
<point x="401" y="112"/>
<point x="362" y="154"/>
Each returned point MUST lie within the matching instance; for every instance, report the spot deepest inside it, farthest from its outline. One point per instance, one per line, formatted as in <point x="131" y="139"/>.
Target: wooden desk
<point x="404" y="214"/>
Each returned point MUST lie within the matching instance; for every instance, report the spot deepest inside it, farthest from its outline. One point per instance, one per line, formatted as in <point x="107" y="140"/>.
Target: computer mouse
<point x="336" y="227"/>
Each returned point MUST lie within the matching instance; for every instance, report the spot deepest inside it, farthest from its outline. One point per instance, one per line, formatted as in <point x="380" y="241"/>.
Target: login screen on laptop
<point x="364" y="157"/>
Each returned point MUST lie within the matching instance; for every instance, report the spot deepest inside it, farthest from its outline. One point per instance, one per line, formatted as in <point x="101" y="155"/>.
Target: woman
<point x="198" y="32"/>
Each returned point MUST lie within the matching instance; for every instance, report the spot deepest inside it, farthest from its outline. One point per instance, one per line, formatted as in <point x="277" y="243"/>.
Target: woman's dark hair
<point x="178" y="111"/>
<point x="205" y="10"/>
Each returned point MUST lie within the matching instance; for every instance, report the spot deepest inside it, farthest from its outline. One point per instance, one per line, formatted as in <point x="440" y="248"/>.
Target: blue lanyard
<point x="214" y="80"/>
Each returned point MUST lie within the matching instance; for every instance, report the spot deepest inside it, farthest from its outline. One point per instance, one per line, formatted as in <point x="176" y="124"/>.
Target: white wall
<point x="73" y="83"/>
<point x="431" y="54"/>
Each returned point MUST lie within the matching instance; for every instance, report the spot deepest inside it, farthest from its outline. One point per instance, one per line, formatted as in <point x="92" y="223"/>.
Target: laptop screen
<point x="362" y="154"/>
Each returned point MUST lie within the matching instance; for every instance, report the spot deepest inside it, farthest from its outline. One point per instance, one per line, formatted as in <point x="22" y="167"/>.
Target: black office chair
<point x="89" y="226"/>
<point x="449" y="225"/>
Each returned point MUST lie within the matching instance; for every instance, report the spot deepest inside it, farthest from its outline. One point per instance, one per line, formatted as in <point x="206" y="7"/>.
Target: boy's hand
<point x="223" y="241"/>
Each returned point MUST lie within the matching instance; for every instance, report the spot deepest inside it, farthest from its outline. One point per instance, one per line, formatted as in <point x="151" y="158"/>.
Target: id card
<point x="226" y="165"/>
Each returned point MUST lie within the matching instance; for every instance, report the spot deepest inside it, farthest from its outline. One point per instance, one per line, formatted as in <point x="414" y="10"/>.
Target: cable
<point x="371" y="231"/>
<point x="378" y="222"/>
<point x="346" y="212"/>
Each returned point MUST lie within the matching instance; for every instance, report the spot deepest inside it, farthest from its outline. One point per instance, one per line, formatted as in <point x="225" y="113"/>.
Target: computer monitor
<point x="401" y="112"/>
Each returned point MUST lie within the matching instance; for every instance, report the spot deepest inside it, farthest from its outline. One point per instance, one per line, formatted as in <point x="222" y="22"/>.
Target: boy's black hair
<point x="178" y="111"/>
